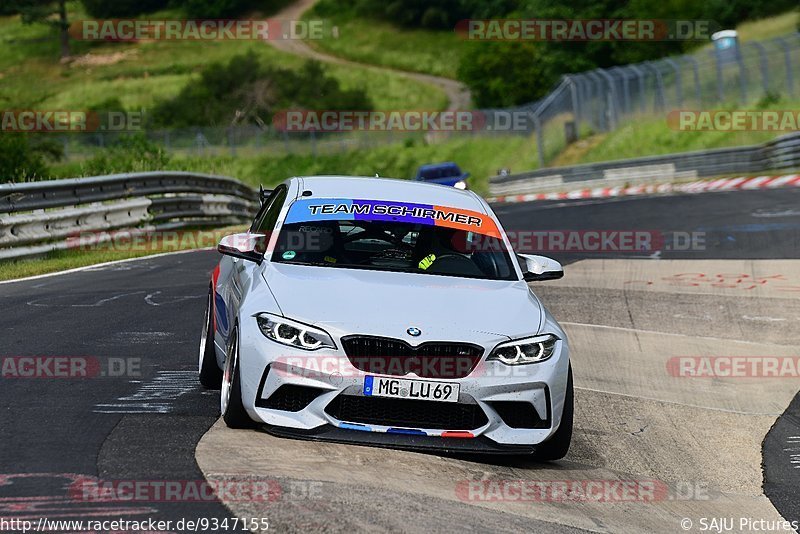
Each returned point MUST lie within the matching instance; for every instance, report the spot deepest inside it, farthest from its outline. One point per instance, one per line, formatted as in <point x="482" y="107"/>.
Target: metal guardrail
<point x="38" y="217"/>
<point x="780" y="153"/>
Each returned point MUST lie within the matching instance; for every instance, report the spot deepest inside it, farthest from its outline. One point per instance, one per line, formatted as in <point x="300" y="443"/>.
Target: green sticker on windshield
<point x="427" y="261"/>
<point x="289" y="255"/>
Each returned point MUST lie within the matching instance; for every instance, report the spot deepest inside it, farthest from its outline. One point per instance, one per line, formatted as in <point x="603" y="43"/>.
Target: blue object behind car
<point x="447" y="173"/>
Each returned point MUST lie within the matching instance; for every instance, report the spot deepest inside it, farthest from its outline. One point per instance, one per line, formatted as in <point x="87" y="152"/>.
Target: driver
<point x="439" y="242"/>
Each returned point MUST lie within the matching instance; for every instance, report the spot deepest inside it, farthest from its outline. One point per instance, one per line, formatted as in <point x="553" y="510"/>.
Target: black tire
<point x="557" y="446"/>
<point x="234" y="414"/>
<point x="210" y="373"/>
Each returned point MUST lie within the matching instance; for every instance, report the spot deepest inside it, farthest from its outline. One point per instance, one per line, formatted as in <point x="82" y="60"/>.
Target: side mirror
<point x="249" y="247"/>
<point x="539" y="268"/>
<point x="263" y="194"/>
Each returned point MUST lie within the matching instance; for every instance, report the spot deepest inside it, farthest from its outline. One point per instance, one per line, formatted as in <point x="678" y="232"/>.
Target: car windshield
<point x="418" y="246"/>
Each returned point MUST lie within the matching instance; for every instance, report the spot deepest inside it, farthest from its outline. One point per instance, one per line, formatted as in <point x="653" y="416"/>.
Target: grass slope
<point x="439" y="52"/>
<point x="380" y="43"/>
<point x="139" y="74"/>
<point x="480" y="156"/>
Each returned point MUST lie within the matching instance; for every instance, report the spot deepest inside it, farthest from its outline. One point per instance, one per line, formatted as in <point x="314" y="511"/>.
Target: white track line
<point x="683" y="404"/>
<point x="96" y="265"/>
<point x="710" y="338"/>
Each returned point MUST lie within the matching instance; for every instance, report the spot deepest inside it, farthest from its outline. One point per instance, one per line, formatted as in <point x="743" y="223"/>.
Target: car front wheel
<point x="231" y="405"/>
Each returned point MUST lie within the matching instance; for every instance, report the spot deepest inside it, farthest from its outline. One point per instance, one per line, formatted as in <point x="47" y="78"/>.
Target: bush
<point x="432" y="14"/>
<point x="217" y="9"/>
<point x="244" y="90"/>
<point x="502" y="74"/>
<point x="104" y="9"/>
<point x="200" y="9"/>
<point x="25" y="159"/>
<point x="131" y="153"/>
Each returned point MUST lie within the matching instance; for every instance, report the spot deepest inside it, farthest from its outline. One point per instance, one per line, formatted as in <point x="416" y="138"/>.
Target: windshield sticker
<point x="337" y="209"/>
<point x="427" y="261"/>
<point x="289" y="254"/>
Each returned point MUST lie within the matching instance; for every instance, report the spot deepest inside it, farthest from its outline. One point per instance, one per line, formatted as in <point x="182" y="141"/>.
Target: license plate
<point x="404" y="388"/>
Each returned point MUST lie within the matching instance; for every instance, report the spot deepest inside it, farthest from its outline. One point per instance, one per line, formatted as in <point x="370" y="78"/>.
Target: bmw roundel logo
<point x="414" y="331"/>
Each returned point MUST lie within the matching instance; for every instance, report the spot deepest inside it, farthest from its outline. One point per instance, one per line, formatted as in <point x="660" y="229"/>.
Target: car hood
<point x="445" y="308"/>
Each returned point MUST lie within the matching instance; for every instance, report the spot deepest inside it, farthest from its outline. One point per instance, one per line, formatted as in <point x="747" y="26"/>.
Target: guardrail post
<point x="573" y="90"/>
<point x="612" y="99"/>
<point x="623" y="106"/>
<point x="626" y="90"/>
<point x="742" y="75"/>
<point x="586" y="100"/>
<point x="720" y="83"/>
<point x="678" y="79"/>
<point x="658" y="101"/>
<point x="232" y="141"/>
<point x="537" y="123"/>
<point x="787" y="59"/>
<point x="586" y="106"/>
<point x="641" y="75"/>
<point x="763" y="64"/>
<point x="696" y="71"/>
<point x="600" y="111"/>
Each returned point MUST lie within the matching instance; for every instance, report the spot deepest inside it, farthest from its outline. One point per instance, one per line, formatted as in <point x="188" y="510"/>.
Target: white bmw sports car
<point x="386" y="312"/>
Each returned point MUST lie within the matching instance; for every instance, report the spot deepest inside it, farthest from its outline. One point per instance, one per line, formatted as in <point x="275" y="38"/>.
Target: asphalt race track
<point x="65" y="428"/>
<point x="141" y="416"/>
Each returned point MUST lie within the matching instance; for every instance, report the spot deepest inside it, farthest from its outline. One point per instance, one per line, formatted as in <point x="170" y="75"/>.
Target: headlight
<point x="292" y="333"/>
<point x="527" y="350"/>
<point x="461" y="184"/>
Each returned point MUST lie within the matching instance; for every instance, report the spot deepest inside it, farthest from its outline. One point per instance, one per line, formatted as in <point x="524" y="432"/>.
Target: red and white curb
<point x="704" y="186"/>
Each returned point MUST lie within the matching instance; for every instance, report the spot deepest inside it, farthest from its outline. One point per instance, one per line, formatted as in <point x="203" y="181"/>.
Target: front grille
<point x="433" y="359"/>
<point x="519" y="414"/>
<point x="290" y="398"/>
<point x="407" y="413"/>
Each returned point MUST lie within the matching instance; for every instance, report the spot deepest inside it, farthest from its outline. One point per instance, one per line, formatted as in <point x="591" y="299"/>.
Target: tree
<point x="512" y="73"/>
<point x="52" y="12"/>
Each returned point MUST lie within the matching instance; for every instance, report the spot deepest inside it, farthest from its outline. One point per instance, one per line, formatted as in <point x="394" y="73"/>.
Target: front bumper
<point x="321" y="379"/>
<point x="478" y="445"/>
